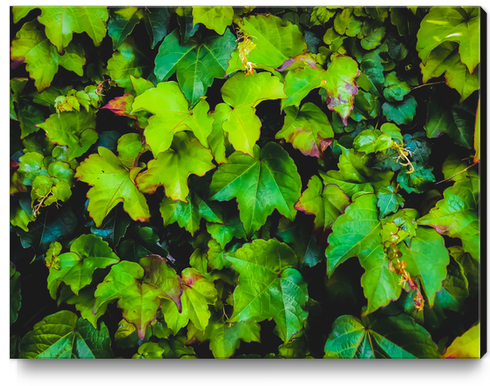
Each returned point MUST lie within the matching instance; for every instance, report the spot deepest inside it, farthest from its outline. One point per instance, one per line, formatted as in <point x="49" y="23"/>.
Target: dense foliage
<point x="245" y="182"/>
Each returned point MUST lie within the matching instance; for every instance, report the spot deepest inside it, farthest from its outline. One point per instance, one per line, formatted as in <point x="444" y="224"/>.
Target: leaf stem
<point x="428" y="84"/>
<point x="461" y="171"/>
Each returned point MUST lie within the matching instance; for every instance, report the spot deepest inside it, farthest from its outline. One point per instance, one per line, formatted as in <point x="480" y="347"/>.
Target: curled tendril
<point x="245" y="46"/>
<point x="403" y="153"/>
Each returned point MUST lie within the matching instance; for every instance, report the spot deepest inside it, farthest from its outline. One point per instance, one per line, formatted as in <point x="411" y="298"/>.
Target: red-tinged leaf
<point x="121" y="106"/>
<point x="307" y="58"/>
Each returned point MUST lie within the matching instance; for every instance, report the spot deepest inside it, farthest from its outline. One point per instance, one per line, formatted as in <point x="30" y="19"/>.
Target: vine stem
<point x="461" y="171"/>
<point x="428" y="84"/>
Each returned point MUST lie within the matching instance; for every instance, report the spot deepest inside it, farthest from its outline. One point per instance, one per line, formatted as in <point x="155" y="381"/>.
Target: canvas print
<point x="245" y="182"/>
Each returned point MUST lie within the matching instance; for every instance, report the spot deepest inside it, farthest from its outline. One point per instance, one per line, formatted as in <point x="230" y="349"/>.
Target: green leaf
<point x="63" y="335"/>
<point x="75" y="268"/>
<point x="451" y="24"/>
<point x="58" y="225"/>
<point x="373" y="32"/>
<point x="224" y="338"/>
<point x="121" y="23"/>
<point x="307" y="129"/>
<point x="355" y="174"/>
<point x="224" y="233"/>
<point x="299" y="82"/>
<point x="156" y="22"/>
<point x="73" y="129"/>
<point x="217" y="139"/>
<point x="61" y="22"/>
<point x="149" y="350"/>
<point x="188" y="215"/>
<point x="372" y="141"/>
<point x="419" y="181"/>
<point x="138" y="298"/>
<point x="84" y="303"/>
<point x="401" y="113"/>
<point x="198" y="293"/>
<point x="445" y="59"/>
<point x="129" y="149"/>
<point x="388" y="200"/>
<point x="126" y="61"/>
<point x="113" y="227"/>
<point x="171" y="115"/>
<point x="467" y="345"/>
<point x="244" y="93"/>
<point x="141" y="241"/>
<point x="275" y="42"/>
<point x="371" y="78"/>
<point x="15" y="294"/>
<point x="302" y="240"/>
<point x="456" y="215"/>
<point x="32" y="47"/>
<point x="357" y="233"/>
<point x="112" y="183"/>
<point x="396" y="337"/>
<point x="216" y="18"/>
<point x="347" y="24"/>
<point x="394" y="89"/>
<point x="427" y="258"/>
<point x="176" y="348"/>
<point x="187" y="156"/>
<point x="272" y="173"/>
<point x="269" y="287"/>
<point x="326" y="203"/>
<point x="341" y="86"/>
<point x="196" y="64"/>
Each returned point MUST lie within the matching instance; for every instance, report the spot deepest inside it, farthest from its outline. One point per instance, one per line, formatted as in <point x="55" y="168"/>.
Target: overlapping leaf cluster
<point x="262" y="179"/>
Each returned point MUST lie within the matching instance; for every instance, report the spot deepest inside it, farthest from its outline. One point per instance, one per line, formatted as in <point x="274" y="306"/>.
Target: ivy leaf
<point x="448" y="24"/>
<point x="84" y="303"/>
<point x="401" y="113"/>
<point x="355" y="174"/>
<point x="141" y="241"/>
<point x="74" y="129"/>
<point x="126" y="61"/>
<point x="188" y="215"/>
<point x="341" y="86"/>
<point x="187" y="28"/>
<point x="113" y="227"/>
<point x="158" y="273"/>
<point x="307" y="129"/>
<point x="391" y="337"/>
<point x="223" y="233"/>
<point x="373" y="34"/>
<point x="427" y="258"/>
<point x="326" y="203"/>
<point x="176" y="348"/>
<point x="394" y="89"/>
<point x="32" y="47"/>
<point x="418" y="181"/>
<point x="15" y="294"/>
<point x="275" y="42"/>
<point x="371" y="77"/>
<point x="456" y="215"/>
<point x="149" y="350"/>
<point x="217" y="139"/>
<point x="187" y="156"/>
<point x="388" y="200"/>
<point x="196" y="64"/>
<point x="299" y="82"/>
<point x="224" y="338"/>
<point x="61" y="22"/>
<point x="156" y="22"/>
<point x="216" y="18"/>
<point x="121" y="23"/>
<point x="303" y="241"/>
<point x="138" y="300"/>
<point x="272" y="173"/>
<point x="63" y="335"/>
<point x="372" y="141"/>
<point x="112" y="183"/>
<point x="171" y="115"/>
<point x="198" y="293"/>
<point x="445" y="59"/>
<point x="357" y="233"/>
<point x="467" y="345"/>
<point x="269" y="287"/>
<point x="75" y="268"/>
<point x="60" y="224"/>
<point x="244" y="93"/>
